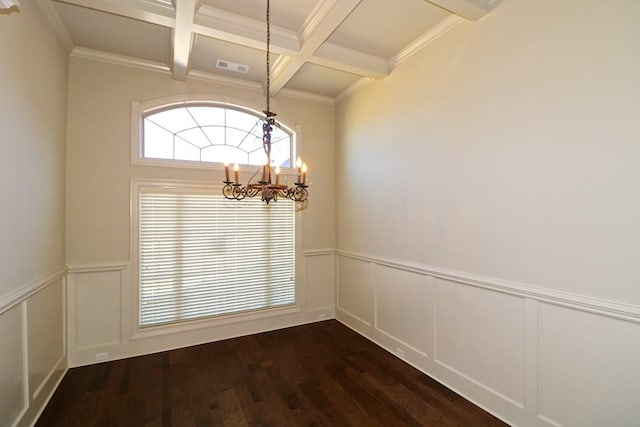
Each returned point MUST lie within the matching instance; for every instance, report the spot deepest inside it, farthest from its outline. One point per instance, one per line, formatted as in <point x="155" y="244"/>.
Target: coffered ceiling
<point x="320" y="48"/>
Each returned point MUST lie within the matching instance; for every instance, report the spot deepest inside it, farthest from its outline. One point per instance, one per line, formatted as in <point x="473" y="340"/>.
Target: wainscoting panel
<point x="320" y="277"/>
<point x="589" y="372"/>
<point x="45" y="317"/>
<point x="531" y="356"/>
<point x="356" y="290"/>
<point x="405" y="308"/>
<point x="97" y="302"/>
<point x="480" y="334"/>
<point x="12" y="392"/>
<point x="33" y="351"/>
<point x="102" y="312"/>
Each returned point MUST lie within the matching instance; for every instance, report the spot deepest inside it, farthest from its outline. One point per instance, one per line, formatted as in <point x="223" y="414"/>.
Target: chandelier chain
<point x="268" y="55"/>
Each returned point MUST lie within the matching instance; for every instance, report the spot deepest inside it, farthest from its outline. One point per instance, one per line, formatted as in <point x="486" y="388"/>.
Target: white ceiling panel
<point x="284" y="13"/>
<point x="321" y="81"/>
<point x="383" y="28"/>
<point x="115" y="34"/>
<point x="207" y="51"/>
<point x="318" y="46"/>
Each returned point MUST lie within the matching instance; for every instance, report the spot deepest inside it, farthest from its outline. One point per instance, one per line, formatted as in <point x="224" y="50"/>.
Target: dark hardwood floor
<point x="322" y="374"/>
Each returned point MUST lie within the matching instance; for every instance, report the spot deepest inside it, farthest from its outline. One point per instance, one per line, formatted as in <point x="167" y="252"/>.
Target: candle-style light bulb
<point x="236" y="168"/>
<point x="277" y="175"/>
<point x="226" y="171"/>
<point x="304" y="173"/>
<point x="298" y="166"/>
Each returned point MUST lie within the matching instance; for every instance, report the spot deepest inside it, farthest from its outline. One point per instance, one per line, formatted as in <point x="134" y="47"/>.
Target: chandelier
<point x="265" y="187"/>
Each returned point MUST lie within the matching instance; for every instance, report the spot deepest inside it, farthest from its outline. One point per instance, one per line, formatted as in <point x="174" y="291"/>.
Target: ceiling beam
<point x="232" y="28"/>
<point x="468" y="9"/>
<point x="322" y="22"/>
<point x="155" y="13"/>
<point x="341" y="58"/>
<point x="183" y="37"/>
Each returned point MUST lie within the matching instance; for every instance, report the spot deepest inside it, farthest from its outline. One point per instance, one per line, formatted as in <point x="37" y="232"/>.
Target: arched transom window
<point x="211" y="133"/>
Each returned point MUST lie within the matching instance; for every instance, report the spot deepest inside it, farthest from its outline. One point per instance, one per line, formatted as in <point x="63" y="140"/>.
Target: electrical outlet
<point x="400" y="353"/>
<point x="101" y="357"/>
<point x="322" y="316"/>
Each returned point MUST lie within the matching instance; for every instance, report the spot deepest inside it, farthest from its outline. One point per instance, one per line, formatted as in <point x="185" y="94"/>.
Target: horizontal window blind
<point x="202" y="255"/>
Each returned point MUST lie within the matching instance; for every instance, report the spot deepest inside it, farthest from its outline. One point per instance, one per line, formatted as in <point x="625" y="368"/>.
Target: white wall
<point x="487" y="212"/>
<point x="102" y="288"/>
<point x="33" y="93"/>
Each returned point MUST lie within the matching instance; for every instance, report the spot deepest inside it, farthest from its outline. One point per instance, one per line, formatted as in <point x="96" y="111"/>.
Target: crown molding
<point x="306" y="96"/>
<point x="244" y="84"/>
<point x="112" y="58"/>
<point x="225" y="80"/>
<point x="127" y="61"/>
<point x="467" y="9"/>
<point x="437" y="31"/>
<point x="54" y="21"/>
<point x="355" y="87"/>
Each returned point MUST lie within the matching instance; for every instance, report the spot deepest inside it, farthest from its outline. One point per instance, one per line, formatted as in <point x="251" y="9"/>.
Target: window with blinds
<point x="201" y="255"/>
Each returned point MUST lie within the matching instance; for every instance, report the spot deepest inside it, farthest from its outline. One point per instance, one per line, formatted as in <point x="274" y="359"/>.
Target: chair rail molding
<point x="614" y="309"/>
<point x="99" y="267"/>
<point x="23" y="292"/>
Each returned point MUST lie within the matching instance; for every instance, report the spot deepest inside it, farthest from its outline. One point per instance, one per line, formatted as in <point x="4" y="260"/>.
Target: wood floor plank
<point x="321" y="374"/>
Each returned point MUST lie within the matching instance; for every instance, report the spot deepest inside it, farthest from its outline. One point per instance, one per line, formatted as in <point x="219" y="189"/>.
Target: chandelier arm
<point x="253" y="176"/>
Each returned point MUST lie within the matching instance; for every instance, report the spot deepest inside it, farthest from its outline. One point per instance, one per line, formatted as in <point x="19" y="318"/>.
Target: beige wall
<point x="33" y="94"/>
<point x="102" y="287"/>
<point x="493" y="177"/>
<point x="99" y="155"/>
<point x="508" y="149"/>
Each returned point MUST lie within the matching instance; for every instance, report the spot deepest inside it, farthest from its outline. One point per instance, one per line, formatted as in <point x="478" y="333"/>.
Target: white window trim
<point x="138" y="109"/>
<point x="138" y="332"/>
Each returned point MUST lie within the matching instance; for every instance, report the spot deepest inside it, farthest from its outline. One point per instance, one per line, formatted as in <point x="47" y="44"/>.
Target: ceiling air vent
<point x="232" y="66"/>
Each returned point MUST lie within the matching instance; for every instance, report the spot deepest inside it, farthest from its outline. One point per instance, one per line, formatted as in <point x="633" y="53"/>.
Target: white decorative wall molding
<point x="318" y="252"/>
<point x="599" y="306"/>
<point x="25" y="291"/>
<point x="33" y="325"/>
<point x="530" y="356"/>
<point x="61" y="362"/>
<point x="102" y="313"/>
<point x="98" y="268"/>
<point x="90" y="329"/>
<point x="480" y="385"/>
